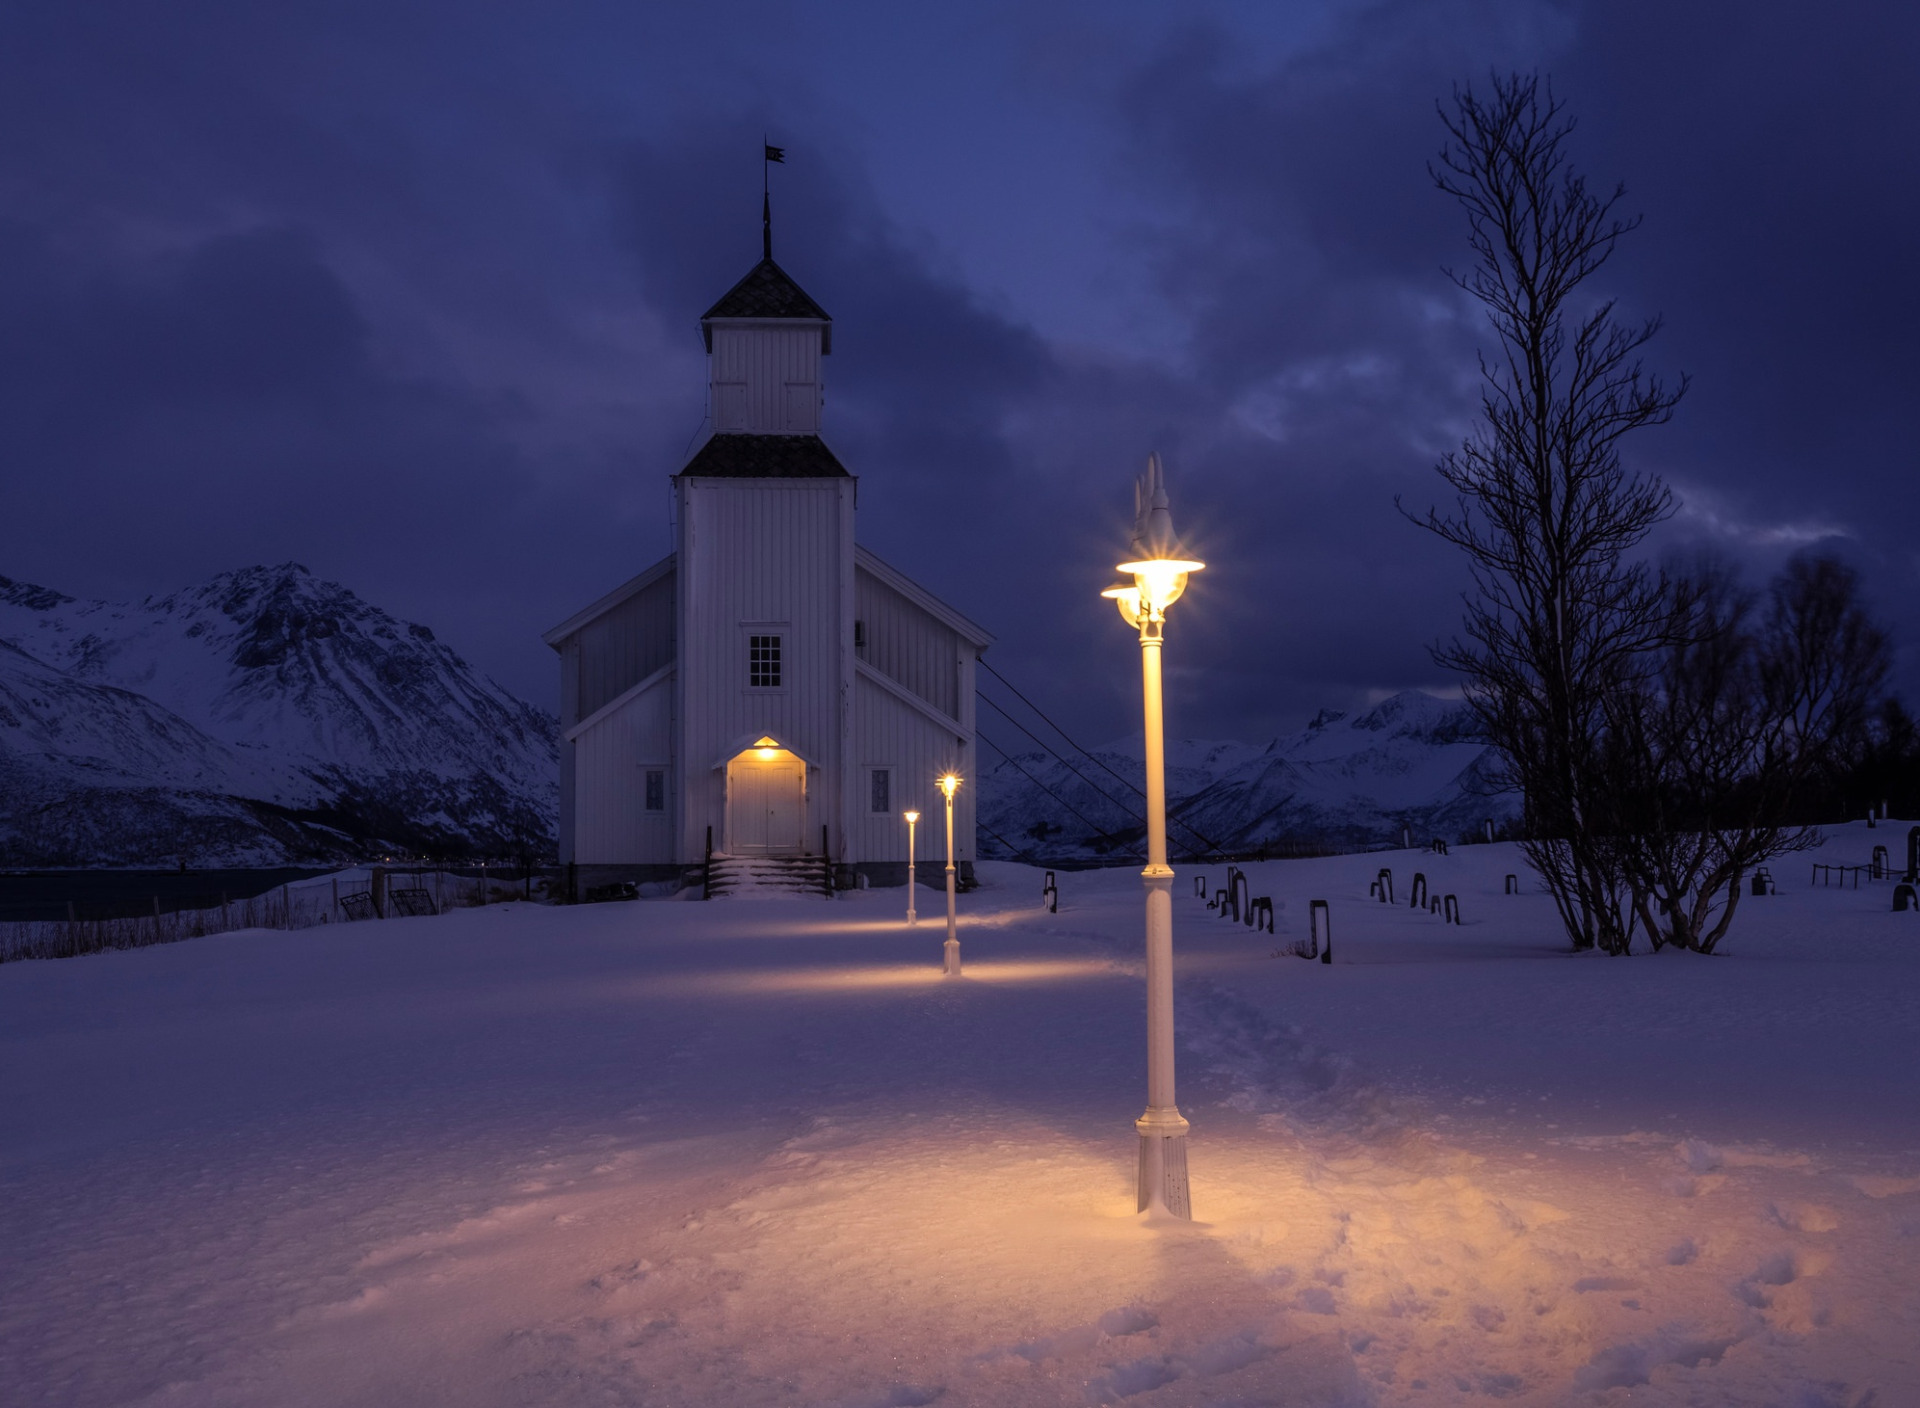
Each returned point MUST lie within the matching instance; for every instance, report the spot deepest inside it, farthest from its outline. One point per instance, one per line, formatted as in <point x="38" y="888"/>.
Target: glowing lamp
<point x="1160" y="571"/>
<point x="911" y="817"/>
<point x="949" y="783"/>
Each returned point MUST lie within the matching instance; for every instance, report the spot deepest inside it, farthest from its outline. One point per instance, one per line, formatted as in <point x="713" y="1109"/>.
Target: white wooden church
<point x="770" y="688"/>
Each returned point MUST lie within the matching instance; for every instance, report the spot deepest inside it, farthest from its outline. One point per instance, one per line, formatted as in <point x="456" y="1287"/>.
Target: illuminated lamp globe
<point x="1158" y="582"/>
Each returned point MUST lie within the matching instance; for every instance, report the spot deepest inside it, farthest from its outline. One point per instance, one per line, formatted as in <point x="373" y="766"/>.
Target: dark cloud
<point x="411" y="295"/>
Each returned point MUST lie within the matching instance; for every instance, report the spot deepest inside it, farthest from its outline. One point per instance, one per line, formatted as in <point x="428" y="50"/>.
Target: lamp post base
<point x="1163" y="1163"/>
<point x="952" y="966"/>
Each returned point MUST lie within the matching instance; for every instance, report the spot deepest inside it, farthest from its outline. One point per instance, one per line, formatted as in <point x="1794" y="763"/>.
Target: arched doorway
<point x="766" y="801"/>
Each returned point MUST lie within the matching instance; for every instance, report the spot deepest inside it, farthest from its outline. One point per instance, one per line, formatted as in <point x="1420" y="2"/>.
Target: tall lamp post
<point x="913" y="820"/>
<point x="1159" y="571"/>
<point x="950" y="784"/>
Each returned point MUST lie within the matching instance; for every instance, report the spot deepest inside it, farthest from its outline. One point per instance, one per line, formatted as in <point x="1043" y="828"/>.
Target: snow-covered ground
<point x="762" y="1153"/>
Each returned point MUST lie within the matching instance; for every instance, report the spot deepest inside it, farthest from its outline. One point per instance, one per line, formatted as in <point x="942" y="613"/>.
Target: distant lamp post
<point x="1159" y="571"/>
<point x="913" y="820"/>
<point x="950" y="784"/>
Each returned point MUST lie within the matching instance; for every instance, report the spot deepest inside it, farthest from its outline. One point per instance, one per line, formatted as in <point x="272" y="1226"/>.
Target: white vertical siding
<point x="622" y="647"/>
<point x="892" y="734"/>
<point x="766" y="378"/>
<point x="773" y="554"/>
<point x="569" y="764"/>
<point x="612" y="825"/>
<point x="908" y="645"/>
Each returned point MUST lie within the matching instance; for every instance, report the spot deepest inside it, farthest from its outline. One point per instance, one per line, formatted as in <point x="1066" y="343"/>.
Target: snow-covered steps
<point x="769" y="877"/>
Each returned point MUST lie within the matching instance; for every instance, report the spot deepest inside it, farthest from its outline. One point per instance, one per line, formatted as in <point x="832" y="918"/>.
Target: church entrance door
<point x="766" y="803"/>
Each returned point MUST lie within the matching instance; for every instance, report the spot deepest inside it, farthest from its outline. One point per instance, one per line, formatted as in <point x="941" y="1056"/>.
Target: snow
<point x="743" y="1154"/>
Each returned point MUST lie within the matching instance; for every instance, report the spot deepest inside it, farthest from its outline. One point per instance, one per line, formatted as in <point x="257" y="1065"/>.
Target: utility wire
<point x="1056" y="727"/>
<point x="1063" y="762"/>
<point x="1104" y="835"/>
<point x="1188" y="826"/>
<point x="1108" y="796"/>
<point x="1005" y="842"/>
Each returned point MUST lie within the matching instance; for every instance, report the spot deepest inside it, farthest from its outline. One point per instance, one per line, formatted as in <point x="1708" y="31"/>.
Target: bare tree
<point x="1562" y="616"/>
<point x="1719" y="763"/>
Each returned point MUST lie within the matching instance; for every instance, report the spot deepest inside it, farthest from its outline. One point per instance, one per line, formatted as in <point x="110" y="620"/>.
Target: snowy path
<point x="761" y="1153"/>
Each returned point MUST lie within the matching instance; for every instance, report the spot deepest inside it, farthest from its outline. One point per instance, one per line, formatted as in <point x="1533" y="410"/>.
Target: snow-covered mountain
<point x="1411" y="761"/>
<point x="262" y="717"/>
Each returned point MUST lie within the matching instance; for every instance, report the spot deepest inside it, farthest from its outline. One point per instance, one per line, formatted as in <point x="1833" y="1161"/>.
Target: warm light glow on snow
<point x="680" y="1152"/>
<point x="892" y="975"/>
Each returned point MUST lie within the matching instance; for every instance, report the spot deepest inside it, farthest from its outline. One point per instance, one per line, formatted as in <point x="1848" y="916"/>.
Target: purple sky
<point x="407" y="292"/>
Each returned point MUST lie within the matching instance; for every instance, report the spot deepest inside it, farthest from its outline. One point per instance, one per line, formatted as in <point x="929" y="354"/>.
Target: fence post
<point x="1320" y="928"/>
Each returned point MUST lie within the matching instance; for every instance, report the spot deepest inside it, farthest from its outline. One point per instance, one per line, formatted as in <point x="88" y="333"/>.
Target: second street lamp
<point x="913" y="819"/>
<point x="950" y="784"/>
<point x="1159" y="570"/>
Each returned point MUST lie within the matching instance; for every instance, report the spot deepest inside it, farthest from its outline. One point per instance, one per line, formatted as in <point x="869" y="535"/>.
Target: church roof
<point x="765" y="457"/>
<point x="767" y="291"/>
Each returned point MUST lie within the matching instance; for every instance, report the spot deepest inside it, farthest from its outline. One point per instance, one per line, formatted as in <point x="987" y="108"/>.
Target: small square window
<point x="656" y="790"/>
<point x="763" y="662"/>
<point x="882" y="790"/>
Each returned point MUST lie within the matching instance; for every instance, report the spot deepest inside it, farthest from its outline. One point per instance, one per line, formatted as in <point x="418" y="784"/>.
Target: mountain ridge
<point x="264" y="716"/>
<point x="1412" y="761"/>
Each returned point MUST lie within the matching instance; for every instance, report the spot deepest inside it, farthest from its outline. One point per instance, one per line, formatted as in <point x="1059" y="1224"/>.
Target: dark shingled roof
<point x="767" y="291"/>
<point x="765" y="457"/>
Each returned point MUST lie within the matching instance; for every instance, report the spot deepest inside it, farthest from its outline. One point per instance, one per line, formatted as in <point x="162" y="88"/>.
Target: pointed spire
<point x="1153" y="534"/>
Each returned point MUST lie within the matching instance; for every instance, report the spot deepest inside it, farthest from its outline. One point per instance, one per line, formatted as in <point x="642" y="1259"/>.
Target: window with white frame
<point x="880" y="790"/>
<point x="763" y="662"/>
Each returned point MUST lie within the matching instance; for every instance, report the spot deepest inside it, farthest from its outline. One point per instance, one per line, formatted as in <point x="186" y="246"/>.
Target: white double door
<point x="766" y="806"/>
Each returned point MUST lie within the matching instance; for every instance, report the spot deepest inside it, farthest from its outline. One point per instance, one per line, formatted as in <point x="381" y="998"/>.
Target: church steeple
<point x="765" y="341"/>
<point x="768" y="293"/>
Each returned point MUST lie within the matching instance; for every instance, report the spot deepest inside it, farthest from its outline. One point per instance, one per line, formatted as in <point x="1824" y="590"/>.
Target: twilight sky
<point x="408" y="292"/>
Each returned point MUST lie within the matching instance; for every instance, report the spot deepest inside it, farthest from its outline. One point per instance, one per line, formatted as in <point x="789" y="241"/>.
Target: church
<point x="770" y="692"/>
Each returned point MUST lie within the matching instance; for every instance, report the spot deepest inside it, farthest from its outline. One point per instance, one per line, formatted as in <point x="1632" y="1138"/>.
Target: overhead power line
<point x="1098" y="831"/>
<point x="1132" y="815"/>
<point x="1187" y="826"/>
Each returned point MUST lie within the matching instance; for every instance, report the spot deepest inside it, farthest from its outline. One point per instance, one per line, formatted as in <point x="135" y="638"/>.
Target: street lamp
<point x="1159" y="571"/>
<point x="913" y="819"/>
<point x="949" y="784"/>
